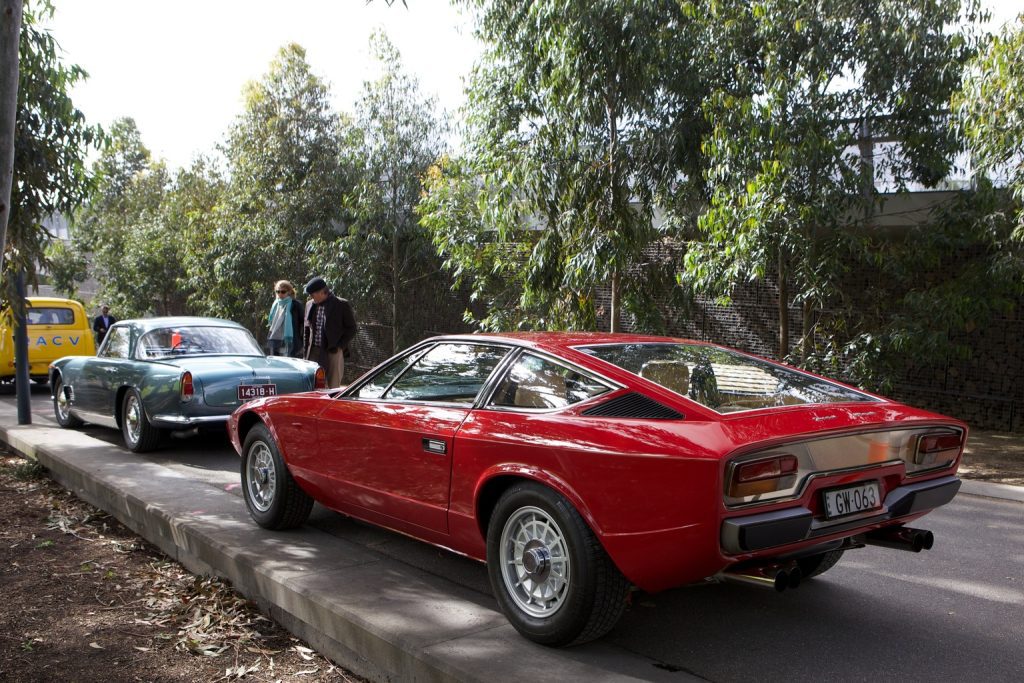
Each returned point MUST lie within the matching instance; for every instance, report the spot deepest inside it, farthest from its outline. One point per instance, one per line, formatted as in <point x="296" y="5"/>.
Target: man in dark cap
<point x="332" y="325"/>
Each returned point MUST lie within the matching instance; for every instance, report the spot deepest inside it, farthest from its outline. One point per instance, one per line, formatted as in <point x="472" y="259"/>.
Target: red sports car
<point x="577" y="465"/>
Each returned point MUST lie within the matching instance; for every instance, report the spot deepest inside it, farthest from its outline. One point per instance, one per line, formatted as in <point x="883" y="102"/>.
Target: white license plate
<point x="852" y="499"/>
<point x="247" y="392"/>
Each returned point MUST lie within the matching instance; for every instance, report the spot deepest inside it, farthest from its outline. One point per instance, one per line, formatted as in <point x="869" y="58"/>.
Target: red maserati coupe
<point x="577" y="465"/>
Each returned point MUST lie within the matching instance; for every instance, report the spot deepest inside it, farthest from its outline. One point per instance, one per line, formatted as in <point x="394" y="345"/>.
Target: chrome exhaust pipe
<point x="770" y="576"/>
<point x="901" y="538"/>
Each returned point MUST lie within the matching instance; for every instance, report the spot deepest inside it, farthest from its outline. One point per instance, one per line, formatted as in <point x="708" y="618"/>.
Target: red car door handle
<point x="437" y="446"/>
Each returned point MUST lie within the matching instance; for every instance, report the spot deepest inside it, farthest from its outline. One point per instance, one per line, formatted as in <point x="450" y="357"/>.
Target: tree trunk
<point x="395" y="277"/>
<point x="613" y="151"/>
<point x="616" y="294"/>
<point x="783" y="308"/>
<point x="866" y="148"/>
<point x="10" y="34"/>
<point x="808" y="330"/>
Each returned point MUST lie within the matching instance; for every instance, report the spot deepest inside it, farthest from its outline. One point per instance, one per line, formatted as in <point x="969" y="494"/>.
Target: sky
<point x="178" y="68"/>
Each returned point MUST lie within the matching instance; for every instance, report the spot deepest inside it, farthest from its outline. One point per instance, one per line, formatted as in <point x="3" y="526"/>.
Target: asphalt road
<point x="953" y="613"/>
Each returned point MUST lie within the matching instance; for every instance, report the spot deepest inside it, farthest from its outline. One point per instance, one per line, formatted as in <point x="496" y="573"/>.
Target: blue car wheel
<point x="139" y="434"/>
<point x="62" y="406"/>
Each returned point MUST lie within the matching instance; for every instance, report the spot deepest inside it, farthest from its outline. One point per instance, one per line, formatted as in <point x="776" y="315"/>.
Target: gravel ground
<point x="85" y="599"/>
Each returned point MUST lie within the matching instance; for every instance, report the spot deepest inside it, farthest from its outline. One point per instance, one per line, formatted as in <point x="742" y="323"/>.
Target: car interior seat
<point x="671" y="374"/>
<point x="544" y="389"/>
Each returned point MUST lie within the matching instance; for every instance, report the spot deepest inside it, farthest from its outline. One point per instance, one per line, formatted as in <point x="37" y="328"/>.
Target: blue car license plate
<point x="851" y="499"/>
<point x="247" y="392"/>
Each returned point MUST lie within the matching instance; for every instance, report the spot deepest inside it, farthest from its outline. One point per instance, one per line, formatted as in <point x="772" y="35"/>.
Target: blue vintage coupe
<point x="171" y="374"/>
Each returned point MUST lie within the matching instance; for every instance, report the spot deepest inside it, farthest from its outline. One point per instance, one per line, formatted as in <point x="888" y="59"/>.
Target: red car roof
<point x="565" y="340"/>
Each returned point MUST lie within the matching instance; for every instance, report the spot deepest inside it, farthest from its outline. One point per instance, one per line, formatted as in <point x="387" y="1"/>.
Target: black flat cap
<point x="315" y="285"/>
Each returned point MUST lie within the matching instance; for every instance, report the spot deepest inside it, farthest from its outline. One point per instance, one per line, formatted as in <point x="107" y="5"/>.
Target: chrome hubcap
<point x="133" y="418"/>
<point x="62" y="402"/>
<point x="535" y="562"/>
<point x="261" y="479"/>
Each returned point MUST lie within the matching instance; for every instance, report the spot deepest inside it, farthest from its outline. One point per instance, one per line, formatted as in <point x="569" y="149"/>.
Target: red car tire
<point x="815" y="565"/>
<point x="273" y="498"/>
<point x="552" y="578"/>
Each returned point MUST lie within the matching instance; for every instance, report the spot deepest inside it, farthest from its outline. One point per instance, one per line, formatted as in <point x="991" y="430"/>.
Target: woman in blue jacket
<point x="285" y="322"/>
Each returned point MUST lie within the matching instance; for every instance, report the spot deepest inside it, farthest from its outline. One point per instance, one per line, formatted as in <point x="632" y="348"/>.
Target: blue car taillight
<point x="188" y="389"/>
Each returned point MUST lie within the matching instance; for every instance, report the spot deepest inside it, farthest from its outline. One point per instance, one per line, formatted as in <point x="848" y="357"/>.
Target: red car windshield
<point x="723" y="380"/>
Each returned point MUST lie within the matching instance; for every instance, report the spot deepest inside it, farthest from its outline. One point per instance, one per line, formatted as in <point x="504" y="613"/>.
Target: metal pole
<point x="21" y="381"/>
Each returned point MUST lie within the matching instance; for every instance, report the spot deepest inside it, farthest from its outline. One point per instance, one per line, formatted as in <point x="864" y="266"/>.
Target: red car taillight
<point x="937" y="449"/>
<point x="763" y="476"/>
<point x="187" y="388"/>
<point x="320" y="380"/>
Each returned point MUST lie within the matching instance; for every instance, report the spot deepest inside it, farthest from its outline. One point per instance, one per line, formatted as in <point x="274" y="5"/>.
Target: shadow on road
<point x="10" y="389"/>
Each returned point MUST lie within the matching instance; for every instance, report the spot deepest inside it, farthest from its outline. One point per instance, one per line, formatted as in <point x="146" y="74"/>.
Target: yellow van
<point x="56" y="328"/>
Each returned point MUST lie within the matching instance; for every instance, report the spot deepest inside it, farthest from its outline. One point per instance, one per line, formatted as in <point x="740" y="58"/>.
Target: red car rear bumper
<point x="794" y="525"/>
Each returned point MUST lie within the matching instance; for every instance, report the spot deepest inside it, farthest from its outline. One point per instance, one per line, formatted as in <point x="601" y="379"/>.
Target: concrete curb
<point x="378" y="617"/>
<point x="988" y="489"/>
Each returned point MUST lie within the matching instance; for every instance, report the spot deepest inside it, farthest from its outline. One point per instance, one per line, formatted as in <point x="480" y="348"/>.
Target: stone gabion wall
<point x="986" y="389"/>
<point x="427" y="310"/>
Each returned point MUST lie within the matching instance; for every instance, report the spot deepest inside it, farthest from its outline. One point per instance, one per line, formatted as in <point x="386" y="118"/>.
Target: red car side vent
<point x="633" y="405"/>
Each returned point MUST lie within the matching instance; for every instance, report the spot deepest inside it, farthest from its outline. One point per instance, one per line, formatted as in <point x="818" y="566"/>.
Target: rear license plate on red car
<point x="247" y="392"/>
<point x="850" y="500"/>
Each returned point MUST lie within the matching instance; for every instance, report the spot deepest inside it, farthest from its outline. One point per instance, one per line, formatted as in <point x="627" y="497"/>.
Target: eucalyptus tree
<point x="51" y="140"/>
<point x="100" y="231"/>
<point x="813" y="80"/>
<point x="123" y="158"/>
<point x="990" y="107"/>
<point x="149" y="277"/>
<point x="951" y="279"/>
<point x="284" y="190"/>
<point x="385" y="259"/>
<point x="134" y="254"/>
<point x="191" y="209"/>
<point x="489" y="263"/>
<point x="142" y="229"/>
<point x="579" y="114"/>
<point x="68" y="269"/>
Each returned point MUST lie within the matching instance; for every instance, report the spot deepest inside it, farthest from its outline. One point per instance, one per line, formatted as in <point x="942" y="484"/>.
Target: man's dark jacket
<point x="296" y="313"/>
<point x="339" y="328"/>
<point x="99" y="329"/>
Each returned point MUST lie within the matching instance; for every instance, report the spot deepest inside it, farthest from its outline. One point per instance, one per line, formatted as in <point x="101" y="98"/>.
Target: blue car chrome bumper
<point x="185" y="421"/>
